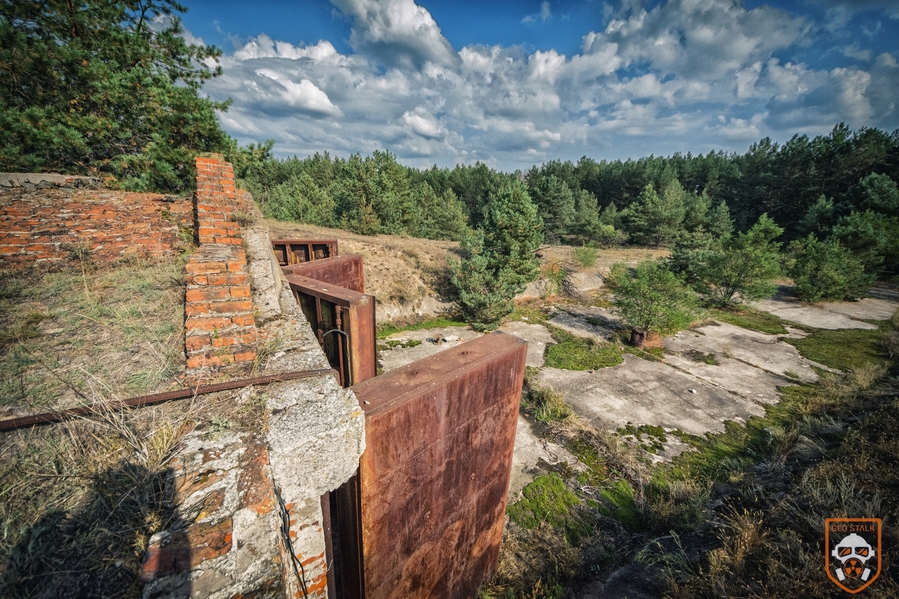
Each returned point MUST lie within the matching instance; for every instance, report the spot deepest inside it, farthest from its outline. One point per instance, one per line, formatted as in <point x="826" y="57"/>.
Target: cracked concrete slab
<point x="869" y="308"/>
<point x="534" y="456"/>
<point x="537" y="336"/>
<point x="400" y="356"/>
<point x="587" y="322"/>
<point x="643" y="392"/>
<point x="737" y="377"/>
<point x="760" y="350"/>
<point x="882" y="304"/>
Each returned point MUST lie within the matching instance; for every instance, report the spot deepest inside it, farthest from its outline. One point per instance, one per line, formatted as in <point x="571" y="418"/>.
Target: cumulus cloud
<point x="397" y="32"/>
<point x="303" y="95"/>
<point x="699" y="38"/>
<point x="685" y="75"/>
<point x="423" y="123"/>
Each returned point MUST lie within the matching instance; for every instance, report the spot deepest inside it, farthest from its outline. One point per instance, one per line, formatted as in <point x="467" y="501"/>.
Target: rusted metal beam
<point x="295" y="251"/>
<point x="342" y="271"/>
<point x="156" y="398"/>
<point x="434" y="477"/>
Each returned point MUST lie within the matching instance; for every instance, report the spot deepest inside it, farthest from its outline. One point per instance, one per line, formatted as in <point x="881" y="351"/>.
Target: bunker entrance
<point x="344" y="323"/>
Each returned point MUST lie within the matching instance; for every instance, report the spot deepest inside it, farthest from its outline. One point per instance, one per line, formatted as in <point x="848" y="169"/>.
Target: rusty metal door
<point x="344" y="322"/>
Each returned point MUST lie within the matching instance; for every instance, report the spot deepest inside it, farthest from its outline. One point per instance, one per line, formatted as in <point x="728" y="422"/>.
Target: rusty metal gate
<point x="423" y="516"/>
<point x="344" y="322"/>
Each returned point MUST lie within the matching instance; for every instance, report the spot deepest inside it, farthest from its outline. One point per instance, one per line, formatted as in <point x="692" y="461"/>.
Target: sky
<point x="518" y="83"/>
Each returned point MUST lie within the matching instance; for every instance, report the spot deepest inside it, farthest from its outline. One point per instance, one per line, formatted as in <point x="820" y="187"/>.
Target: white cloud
<point x="303" y="95"/>
<point x="397" y="32"/>
<point x="699" y="38"/>
<point x="423" y="123"/>
<point x="854" y="51"/>
<point x="543" y="15"/>
<point x="685" y="75"/>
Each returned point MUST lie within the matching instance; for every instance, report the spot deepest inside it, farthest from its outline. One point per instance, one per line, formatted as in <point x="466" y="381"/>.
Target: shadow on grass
<point x="95" y="550"/>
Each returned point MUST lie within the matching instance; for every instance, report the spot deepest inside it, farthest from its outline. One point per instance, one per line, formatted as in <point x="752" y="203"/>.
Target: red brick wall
<point x="220" y="327"/>
<point x="46" y="225"/>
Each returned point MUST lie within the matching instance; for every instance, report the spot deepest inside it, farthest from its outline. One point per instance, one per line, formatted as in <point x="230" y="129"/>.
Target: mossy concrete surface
<point x="881" y="305"/>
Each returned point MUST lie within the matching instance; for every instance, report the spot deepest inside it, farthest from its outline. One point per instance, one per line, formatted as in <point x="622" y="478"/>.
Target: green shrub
<point x="825" y="270"/>
<point x="586" y="255"/>
<point x="653" y="298"/>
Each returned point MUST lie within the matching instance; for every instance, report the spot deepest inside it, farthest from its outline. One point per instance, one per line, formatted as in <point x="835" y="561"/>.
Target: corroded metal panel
<point x="434" y="476"/>
<point x="330" y="309"/>
<point x="343" y="271"/>
<point x="296" y="251"/>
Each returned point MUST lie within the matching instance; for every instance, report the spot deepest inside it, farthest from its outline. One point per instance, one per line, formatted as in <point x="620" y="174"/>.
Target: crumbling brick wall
<point x="220" y="327"/>
<point x="51" y="224"/>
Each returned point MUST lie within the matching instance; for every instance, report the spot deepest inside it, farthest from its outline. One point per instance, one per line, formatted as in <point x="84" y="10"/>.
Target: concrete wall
<point x="237" y="494"/>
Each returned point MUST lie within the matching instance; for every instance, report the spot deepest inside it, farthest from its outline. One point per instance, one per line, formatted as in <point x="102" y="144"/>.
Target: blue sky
<point x="519" y="83"/>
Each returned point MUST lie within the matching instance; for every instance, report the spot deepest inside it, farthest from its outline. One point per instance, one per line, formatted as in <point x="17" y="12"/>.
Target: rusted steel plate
<point x="435" y="473"/>
<point x="357" y="321"/>
<point x="343" y="271"/>
<point x="295" y="251"/>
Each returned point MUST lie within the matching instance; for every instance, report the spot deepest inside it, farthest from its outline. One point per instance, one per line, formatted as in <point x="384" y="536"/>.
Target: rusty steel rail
<point x="156" y="398"/>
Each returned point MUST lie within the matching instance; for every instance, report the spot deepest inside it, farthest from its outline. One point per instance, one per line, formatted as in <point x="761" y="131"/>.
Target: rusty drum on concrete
<point x="342" y="271"/>
<point x="344" y="322"/>
<point x="296" y="251"/>
<point x="434" y="477"/>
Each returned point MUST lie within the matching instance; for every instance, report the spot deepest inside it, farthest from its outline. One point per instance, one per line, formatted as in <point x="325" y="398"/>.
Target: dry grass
<point x="80" y="499"/>
<point x="63" y="332"/>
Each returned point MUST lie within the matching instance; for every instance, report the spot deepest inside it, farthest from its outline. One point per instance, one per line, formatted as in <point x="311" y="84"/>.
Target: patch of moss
<point x="622" y="505"/>
<point x="750" y="319"/>
<point x="528" y="313"/>
<point x="655" y="436"/>
<point x="387" y="329"/>
<point x="846" y="349"/>
<point x="546" y="499"/>
<point x="587" y="453"/>
<point x="576" y="353"/>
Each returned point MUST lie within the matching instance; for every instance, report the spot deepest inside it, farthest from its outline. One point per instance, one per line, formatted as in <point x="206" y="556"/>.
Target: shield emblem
<point x="852" y="552"/>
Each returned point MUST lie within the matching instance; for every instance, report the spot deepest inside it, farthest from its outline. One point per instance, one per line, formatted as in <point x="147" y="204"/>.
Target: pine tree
<point x="652" y="299"/>
<point x="98" y="87"/>
<point x="825" y="270"/>
<point x="745" y="266"/>
<point x="501" y="258"/>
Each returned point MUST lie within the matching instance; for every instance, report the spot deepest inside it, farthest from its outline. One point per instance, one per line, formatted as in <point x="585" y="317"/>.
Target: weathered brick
<point x="206" y="323"/>
<point x="207" y="294"/>
<point x="231" y="307"/>
<point x="196" y="267"/>
<point x="197" y="342"/>
<point x="243" y="320"/>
